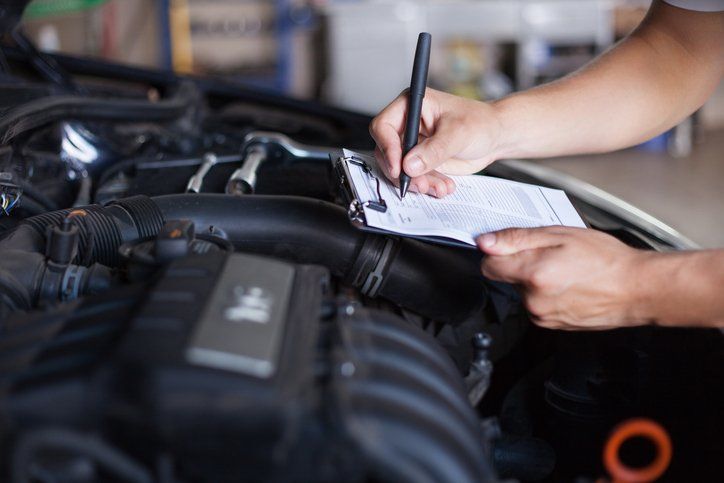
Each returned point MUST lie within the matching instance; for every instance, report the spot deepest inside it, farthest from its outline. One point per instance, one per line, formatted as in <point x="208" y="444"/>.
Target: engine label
<point x="242" y="326"/>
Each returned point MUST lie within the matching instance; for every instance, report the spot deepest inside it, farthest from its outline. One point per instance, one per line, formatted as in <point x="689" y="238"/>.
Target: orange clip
<point x="78" y="212"/>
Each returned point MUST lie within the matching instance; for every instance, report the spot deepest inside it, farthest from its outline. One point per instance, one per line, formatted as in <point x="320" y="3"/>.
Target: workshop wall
<point x="120" y="30"/>
<point x="323" y="48"/>
<point x="349" y="53"/>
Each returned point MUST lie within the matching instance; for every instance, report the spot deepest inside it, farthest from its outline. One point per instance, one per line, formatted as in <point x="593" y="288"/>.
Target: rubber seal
<point x="643" y="428"/>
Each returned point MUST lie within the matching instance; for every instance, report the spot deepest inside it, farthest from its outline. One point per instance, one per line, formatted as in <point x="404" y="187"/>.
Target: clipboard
<point x="356" y="205"/>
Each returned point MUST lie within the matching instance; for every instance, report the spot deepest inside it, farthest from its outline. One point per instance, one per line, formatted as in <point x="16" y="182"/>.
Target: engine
<point x="244" y="368"/>
<point x="183" y="299"/>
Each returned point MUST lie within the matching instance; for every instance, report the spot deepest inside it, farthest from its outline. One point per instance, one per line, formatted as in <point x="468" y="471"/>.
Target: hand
<point x="457" y="136"/>
<point x="570" y="278"/>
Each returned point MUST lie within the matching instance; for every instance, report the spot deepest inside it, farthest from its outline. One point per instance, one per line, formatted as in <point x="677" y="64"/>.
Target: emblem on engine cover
<point x="250" y="305"/>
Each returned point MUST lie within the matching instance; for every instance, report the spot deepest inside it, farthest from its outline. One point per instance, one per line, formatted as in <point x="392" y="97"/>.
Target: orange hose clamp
<point x="632" y="428"/>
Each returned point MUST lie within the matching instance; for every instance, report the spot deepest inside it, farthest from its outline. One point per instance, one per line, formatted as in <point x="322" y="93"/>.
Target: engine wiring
<point x="10" y="194"/>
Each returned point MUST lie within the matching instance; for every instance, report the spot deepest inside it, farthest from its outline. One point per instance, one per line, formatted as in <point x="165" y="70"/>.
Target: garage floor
<point x="686" y="193"/>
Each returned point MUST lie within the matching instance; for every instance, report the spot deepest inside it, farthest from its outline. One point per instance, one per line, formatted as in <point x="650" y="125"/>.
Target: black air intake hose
<point x="27" y="276"/>
<point x="439" y="282"/>
<point x="102" y="228"/>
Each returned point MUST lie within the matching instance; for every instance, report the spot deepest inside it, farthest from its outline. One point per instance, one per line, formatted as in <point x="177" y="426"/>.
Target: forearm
<point x="645" y="85"/>
<point x="684" y="289"/>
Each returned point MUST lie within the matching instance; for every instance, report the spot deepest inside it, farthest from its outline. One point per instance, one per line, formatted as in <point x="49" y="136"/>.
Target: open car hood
<point x="10" y="13"/>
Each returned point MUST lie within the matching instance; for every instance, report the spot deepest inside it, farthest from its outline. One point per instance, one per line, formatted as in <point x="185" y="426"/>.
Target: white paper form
<point x="480" y="204"/>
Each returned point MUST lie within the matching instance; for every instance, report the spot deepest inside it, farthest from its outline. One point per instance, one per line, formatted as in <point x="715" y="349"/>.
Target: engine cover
<point x="219" y="364"/>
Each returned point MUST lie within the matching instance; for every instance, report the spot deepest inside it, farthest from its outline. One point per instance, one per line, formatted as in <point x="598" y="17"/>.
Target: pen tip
<point x="404" y="185"/>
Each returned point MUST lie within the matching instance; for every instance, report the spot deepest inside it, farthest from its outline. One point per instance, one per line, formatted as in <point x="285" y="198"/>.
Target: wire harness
<point x="10" y="193"/>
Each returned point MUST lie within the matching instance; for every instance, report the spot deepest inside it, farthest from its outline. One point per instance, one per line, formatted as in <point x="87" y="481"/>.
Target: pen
<point x="418" y="83"/>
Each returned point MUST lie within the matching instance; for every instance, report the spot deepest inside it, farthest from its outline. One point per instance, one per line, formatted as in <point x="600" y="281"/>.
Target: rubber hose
<point x="439" y="282"/>
<point x="40" y="112"/>
<point x="102" y="229"/>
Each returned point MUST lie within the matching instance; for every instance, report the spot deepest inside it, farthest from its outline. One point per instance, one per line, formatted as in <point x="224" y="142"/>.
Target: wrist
<point x="507" y="141"/>
<point x="647" y="286"/>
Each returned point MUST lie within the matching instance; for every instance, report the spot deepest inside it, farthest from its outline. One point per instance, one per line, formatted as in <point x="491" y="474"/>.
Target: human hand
<point x="457" y="136"/>
<point x="570" y="278"/>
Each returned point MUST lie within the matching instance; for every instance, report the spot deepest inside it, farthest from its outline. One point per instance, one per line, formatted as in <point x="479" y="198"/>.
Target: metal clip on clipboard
<point x="356" y="205"/>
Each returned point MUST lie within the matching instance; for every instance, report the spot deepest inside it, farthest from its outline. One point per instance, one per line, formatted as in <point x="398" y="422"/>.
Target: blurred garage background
<point x="357" y="54"/>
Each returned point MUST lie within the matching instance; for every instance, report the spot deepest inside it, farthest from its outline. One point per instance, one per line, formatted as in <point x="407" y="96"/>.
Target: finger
<point x="440" y="184"/>
<point x="388" y="141"/>
<point x="444" y="144"/>
<point x="433" y="184"/>
<point x="386" y="129"/>
<point x="396" y="181"/>
<point x="514" y="269"/>
<point x="514" y="240"/>
<point x="385" y="168"/>
<point x="383" y="164"/>
<point x="421" y="184"/>
<point x="394" y="112"/>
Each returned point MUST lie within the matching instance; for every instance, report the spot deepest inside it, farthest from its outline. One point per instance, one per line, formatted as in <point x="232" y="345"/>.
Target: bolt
<point x="482" y="341"/>
<point x="347" y="369"/>
<point x="481" y="344"/>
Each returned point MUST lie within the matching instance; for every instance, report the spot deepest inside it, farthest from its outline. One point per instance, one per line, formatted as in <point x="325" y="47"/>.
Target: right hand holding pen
<point x="457" y="136"/>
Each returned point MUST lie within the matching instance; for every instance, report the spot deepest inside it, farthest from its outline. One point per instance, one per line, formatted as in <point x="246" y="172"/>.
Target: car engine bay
<point x="183" y="299"/>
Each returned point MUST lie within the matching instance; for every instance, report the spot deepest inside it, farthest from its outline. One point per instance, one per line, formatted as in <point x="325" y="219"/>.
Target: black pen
<point x="418" y="84"/>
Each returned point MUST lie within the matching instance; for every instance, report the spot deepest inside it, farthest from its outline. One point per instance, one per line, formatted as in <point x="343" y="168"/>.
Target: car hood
<point x="10" y="13"/>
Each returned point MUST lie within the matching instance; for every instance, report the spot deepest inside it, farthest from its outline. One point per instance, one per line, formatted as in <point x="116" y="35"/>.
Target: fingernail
<point x="432" y="192"/>
<point x="414" y="166"/>
<point x="487" y="240"/>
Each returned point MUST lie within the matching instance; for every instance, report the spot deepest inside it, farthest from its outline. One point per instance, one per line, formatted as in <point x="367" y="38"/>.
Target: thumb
<point x="514" y="240"/>
<point x="433" y="151"/>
